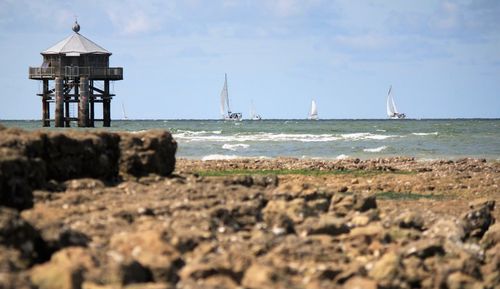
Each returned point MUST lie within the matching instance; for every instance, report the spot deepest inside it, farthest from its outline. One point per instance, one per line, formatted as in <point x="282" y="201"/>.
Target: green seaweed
<point x="304" y="172"/>
<point x="407" y="196"/>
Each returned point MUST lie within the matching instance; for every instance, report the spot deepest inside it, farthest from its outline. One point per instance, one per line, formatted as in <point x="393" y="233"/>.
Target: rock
<point x="34" y="157"/>
<point x="491" y="237"/>
<point x="147" y="152"/>
<point x="84" y="184"/>
<point x="410" y="220"/>
<point x="91" y="285"/>
<point x="458" y="280"/>
<point x="19" y="175"/>
<point x="447" y="229"/>
<point x="259" y="276"/>
<point x="424" y="248"/>
<point x="246" y="181"/>
<point x="360" y="283"/>
<point x="386" y="269"/>
<point x="65" y="270"/>
<point x="16" y="233"/>
<point x="328" y="225"/>
<point x="342" y="204"/>
<point x="296" y="210"/>
<point x="72" y="155"/>
<point x="372" y="231"/>
<point x="479" y="218"/>
<point x="150" y="251"/>
<point x="265" y="180"/>
<point x="359" y="219"/>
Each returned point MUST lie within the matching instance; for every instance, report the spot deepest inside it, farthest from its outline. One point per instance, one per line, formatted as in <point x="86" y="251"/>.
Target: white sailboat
<point x="253" y="114"/>
<point x="123" y="111"/>
<point x="313" y="114"/>
<point x="224" y="101"/>
<point x="392" y="111"/>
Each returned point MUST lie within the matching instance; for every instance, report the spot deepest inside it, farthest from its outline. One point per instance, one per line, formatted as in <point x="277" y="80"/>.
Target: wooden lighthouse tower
<point x="76" y="71"/>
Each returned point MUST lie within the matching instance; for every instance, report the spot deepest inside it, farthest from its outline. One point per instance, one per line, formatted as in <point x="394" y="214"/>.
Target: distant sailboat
<point x="313" y="114"/>
<point x="253" y="114"/>
<point x="224" y="100"/>
<point x="392" y="111"/>
<point x="123" y="111"/>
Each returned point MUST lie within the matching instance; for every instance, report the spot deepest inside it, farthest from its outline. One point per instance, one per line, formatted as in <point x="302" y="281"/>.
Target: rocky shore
<point x="101" y="210"/>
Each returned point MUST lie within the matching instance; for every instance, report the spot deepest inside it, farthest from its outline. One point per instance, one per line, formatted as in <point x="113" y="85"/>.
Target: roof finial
<point x="76" y="26"/>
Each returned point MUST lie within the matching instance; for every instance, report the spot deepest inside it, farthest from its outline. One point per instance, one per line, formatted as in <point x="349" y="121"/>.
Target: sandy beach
<point x="247" y="223"/>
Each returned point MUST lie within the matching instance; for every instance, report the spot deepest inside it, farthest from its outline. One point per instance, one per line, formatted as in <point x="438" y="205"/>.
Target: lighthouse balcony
<point x="93" y="73"/>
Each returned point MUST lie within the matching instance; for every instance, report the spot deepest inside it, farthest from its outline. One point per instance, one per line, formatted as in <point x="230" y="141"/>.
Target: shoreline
<point x="104" y="210"/>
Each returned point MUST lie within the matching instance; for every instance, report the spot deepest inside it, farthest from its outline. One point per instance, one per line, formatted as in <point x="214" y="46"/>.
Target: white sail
<point x="253" y="113"/>
<point x="390" y="103"/>
<point x="123" y="111"/>
<point x="392" y="111"/>
<point x="314" y="110"/>
<point x="224" y="98"/>
<point x="224" y="103"/>
<point x="252" y="110"/>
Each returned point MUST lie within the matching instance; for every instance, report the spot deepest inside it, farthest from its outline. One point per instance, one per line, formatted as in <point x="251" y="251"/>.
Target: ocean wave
<point x="365" y="135"/>
<point x="375" y="150"/>
<point x="234" y="147"/>
<point x="425" y="133"/>
<point x="215" y="157"/>
<point x="342" y="157"/>
<point x="277" y="137"/>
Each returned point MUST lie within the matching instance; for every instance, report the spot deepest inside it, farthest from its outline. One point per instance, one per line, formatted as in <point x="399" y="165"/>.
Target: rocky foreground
<point x="107" y="210"/>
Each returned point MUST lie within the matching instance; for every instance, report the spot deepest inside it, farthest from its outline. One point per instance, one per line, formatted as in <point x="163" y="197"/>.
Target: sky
<point x="441" y="57"/>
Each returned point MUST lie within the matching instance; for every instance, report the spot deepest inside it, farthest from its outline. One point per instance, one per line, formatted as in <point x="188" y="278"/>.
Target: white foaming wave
<point x="260" y="137"/>
<point x="382" y="130"/>
<point x="215" y="157"/>
<point x="425" y="133"/>
<point x="276" y="137"/>
<point x="234" y="147"/>
<point x="342" y="157"/>
<point x="365" y="135"/>
<point x="375" y="150"/>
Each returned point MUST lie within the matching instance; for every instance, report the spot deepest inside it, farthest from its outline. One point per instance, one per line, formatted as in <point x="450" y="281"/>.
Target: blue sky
<point x="441" y="57"/>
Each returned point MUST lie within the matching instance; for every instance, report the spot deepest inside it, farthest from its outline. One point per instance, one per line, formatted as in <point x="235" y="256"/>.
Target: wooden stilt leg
<point x="59" y="117"/>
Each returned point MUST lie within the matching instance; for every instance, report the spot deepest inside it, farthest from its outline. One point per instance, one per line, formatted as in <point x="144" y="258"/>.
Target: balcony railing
<point x="99" y="73"/>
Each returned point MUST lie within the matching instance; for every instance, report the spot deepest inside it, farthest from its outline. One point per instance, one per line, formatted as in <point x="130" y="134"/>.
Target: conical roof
<point x="76" y="44"/>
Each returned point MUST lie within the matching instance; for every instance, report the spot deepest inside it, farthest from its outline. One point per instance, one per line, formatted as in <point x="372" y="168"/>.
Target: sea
<point x="321" y="139"/>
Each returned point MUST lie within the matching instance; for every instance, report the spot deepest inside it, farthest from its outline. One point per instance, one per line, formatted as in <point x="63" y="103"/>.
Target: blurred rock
<point x="16" y="233"/>
<point x="150" y="152"/>
<point x="65" y="270"/>
<point x="342" y="204"/>
<point x="149" y="250"/>
<point x="478" y="219"/>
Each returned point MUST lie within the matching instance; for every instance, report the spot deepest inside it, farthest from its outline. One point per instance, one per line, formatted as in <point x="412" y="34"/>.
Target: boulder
<point x="19" y="175"/>
<point x="150" y="152"/>
<point x="65" y="270"/>
<point x="491" y="237"/>
<point x="325" y="224"/>
<point x="150" y="251"/>
<point x="360" y="283"/>
<point x="446" y="228"/>
<point x="386" y="268"/>
<point x="70" y="155"/>
<point x="343" y="204"/>
<point x="18" y="234"/>
<point x="479" y="218"/>
<point x="259" y="276"/>
<point x="410" y="220"/>
<point x="458" y="280"/>
<point x="424" y="248"/>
